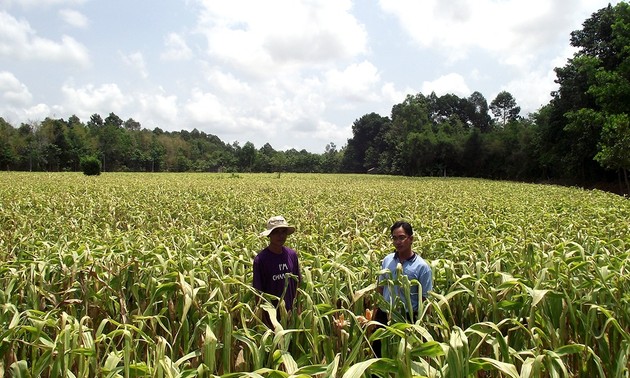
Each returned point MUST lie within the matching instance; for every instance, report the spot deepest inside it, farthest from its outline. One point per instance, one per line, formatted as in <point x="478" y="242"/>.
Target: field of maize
<point x="149" y="275"/>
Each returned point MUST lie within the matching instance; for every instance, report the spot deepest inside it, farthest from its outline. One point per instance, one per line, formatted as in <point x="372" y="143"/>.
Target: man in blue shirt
<point x="411" y="265"/>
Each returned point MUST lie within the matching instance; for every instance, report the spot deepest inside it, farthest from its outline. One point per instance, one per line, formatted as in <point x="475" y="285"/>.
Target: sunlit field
<point x="149" y="275"/>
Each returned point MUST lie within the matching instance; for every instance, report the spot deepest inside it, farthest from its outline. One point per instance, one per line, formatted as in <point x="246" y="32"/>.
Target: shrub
<point x="91" y="166"/>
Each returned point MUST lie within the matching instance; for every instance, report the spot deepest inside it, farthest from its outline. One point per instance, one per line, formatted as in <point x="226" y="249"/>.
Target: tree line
<point x="59" y="145"/>
<point x="581" y="137"/>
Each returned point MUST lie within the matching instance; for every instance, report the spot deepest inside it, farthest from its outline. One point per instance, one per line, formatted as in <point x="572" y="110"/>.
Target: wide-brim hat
<point x="277" y="222"/>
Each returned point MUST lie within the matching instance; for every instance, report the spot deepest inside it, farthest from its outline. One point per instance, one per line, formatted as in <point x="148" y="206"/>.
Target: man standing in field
<point x="406" y="262"/>
<point x="276" y="267"/>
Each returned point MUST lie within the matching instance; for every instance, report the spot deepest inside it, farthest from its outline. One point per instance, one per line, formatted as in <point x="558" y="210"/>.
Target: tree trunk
<point x="625" y="176"/>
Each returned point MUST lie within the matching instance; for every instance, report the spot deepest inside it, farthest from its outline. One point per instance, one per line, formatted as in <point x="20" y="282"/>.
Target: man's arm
<point x="426" y="280"/>
<point x="257" y="282"/>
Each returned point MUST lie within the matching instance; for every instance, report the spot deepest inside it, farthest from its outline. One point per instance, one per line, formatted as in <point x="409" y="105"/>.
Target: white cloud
<point x="390" y="96"/>
<point x="326" y="132"/>
<point x="532" y="92"/>
<point x="13" y="91"/>
<point x="136" y="61"/>
<point x="452" y="83"/>
<point x="355" y="83"/>
<point x="74" y="18"/>
<point x="527" y="39"/>
<point x="256" y="38"/>
<point x="176" y="48"/>
<point x="37" y="112"/>
<point x="19" y="41"/>
<point x="509" y="29"/>
<point x="207" y="108"/>
<point x="290" y="110"/>
<point x="89" y="99"/>
<point x="458" y="24"/>
<point x="161" y="108"/>
<point x="226" y="82"/>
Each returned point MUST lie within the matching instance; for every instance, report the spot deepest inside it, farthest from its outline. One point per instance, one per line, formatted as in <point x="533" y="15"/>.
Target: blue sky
<point x="292" y="73"/>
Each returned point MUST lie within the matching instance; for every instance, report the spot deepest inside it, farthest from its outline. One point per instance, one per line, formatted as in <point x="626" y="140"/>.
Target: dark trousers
<point x="381" y="317"/>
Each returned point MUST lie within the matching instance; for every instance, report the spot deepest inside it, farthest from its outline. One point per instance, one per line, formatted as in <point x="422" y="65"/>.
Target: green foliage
<point x="369" y="140"/>
<point x="7" y="150"/>
<point x="504" y="108"/>
<point x="91" y="166"/>
<point x="594" y="95"/>
<point x="615" y="144"/>
<point x="150" y="275"/>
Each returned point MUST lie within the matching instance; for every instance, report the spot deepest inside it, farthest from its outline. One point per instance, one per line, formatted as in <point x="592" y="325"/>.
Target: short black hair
<point x="405" y="225"/>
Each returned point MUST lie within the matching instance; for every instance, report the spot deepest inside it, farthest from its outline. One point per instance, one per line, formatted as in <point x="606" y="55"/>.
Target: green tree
<point x="419" y="153"/>
<point x="589" y="108"/>
<point x="157" y="153"/>
<point x="596" y="37"/>
<point x="264" y="159"/>
<point x="410" y="116"/>
<point x="449" y="145"/>
<point x="132" y="125"/>
<point x="29" y="147"/>
<point x="473" y="154"/>
<point x="369" y="133"/>
<point x="504" y="108"/>
<point x="80" y="142"/>
<point x="183" y="162"/>
<point x="246" y="157"/>
<point x="111" y="136"/>
<point x="584" y="127"/>
<point x="8" y="155"/>
<point x="301" y="161"/>
<point x="95" y="121"/>
<point x="444" y="107"/>
<point x="479" y="112"/>
<point x="614" y="146"/>
<point x="331" y="160"/>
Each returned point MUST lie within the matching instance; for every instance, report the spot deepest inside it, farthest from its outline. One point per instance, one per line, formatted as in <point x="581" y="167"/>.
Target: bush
<point x="91" y="166"/>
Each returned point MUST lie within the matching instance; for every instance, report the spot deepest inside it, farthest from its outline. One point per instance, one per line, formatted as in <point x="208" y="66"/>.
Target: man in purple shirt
<point x="276" y="268"/>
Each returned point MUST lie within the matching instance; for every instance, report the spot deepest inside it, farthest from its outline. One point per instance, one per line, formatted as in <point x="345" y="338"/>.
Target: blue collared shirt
<point x="415" y="268"/>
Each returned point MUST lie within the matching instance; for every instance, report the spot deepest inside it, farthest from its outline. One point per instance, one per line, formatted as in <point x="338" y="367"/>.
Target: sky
<point x="291" y="73"/>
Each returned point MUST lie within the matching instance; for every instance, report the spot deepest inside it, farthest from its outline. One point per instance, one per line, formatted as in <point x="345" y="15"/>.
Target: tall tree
<point x="614" y="146"/>
<point x="132" y="125"/>
<point x="504" y="108"/>
<point x="331" y="159"/>
<point x="611" y="89"/>
<point x="369" y="133"/>
<point x="594" y="94"/>
<point x="410" y="116"/>
<point x="480" y="117"/>
<point x="109" y="137"/>
<point x="246" y="157"/>
<point x="95" y="121"/>
<point x="8" y="155"/>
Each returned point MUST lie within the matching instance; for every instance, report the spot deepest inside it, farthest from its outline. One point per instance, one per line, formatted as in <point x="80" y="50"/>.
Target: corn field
<point x="149" y="275"/>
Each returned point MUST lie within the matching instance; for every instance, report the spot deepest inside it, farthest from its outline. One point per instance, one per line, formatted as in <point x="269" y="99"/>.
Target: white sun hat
<point x="277" y="222"/>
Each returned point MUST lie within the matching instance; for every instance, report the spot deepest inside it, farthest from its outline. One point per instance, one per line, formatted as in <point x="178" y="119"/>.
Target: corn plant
<point x="149" y="275"/>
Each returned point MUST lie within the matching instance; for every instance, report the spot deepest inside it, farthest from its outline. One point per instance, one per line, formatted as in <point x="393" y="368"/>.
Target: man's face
<point x="401" y="240"/>
<point x="278" y="236"/>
